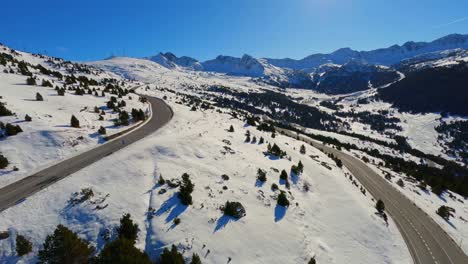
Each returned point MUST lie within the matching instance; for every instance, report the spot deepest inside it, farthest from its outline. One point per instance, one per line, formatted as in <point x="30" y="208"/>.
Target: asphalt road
<point x="19" y="191"/>
<point x="426" y="240"/>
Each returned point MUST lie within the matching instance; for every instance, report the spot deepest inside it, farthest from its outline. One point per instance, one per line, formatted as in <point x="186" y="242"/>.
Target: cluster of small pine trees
<point x="275" y="151"/>
<point x="10" y="129"/>
<point x="297" y="169"/>
<point x="138" y="115"/>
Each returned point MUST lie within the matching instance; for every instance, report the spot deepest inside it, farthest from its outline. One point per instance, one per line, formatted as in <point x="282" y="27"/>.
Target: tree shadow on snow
<point x="259" y="183"/>
<point x="294" y="177"/>
<point x="280" y="212"/>
<point x="173" y="205"/>
<point x="223" y="221"/>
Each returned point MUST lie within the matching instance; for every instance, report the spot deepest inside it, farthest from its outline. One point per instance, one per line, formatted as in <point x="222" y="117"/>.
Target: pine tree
<point x="282" y="199"/>
<point x="261" y="140"/>
<point x="161" y="180"/>
<point x="121" y="251"/>
<point x="31" y="81"/>
<point x="261" y="175"/>
<point x="400" y="183"/>
<point x="247" y="138"/>
<point x="303" y="149"/>
<point x="127" y="229"/>
<point x="380" y="206"/>
<point x="27" y="118"/>
<point x="23" y="246"/>
<point x="231" y="129"/>
<point x="273" y="134"/>
<point x="64" y="246"/>
<point x="284" y="175"/>
<point x="444" y="212"/>
<point x="312" y="261"/>
<point x="39" y="97"/>
<point x="3" y="162"/>
<point x="195" y="259"/>
<point x="186" y="189"/>
<point x="171" y="257"/>
<point x="102" y="130"/>
<point x="74" y="122"/>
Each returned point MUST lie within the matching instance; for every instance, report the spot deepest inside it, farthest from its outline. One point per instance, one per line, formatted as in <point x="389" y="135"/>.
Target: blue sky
<point x="92" y="30"/>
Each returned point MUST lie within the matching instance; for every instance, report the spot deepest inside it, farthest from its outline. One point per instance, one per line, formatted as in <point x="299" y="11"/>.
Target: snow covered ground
<point x="333" y="221"/>
<point x="456" y="227"/>
<point x="49" y="136"/>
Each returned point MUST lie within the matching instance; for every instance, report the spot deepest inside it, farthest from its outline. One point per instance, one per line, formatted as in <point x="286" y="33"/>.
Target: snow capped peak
<point x="245" y="66"/>
<point x="171" y="61"/>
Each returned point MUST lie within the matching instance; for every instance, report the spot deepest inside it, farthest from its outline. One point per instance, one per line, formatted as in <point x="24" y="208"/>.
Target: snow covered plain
<point x="333" y="221"/>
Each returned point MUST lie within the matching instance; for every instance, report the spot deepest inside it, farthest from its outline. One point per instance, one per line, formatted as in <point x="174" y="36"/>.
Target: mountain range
<point x="342" y="71"/>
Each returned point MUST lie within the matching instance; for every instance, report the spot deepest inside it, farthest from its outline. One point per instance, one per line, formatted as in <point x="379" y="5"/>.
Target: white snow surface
<point x="333" y="221"/>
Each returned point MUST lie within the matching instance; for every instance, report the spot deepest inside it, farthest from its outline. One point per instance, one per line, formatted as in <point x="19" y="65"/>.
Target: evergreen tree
<point x="186" y="189"/>
<point x="61" y="92"/>
<point x="31" y="81"/>
<point x="27" y="118"/>
<point x="380" y="206"/>
<point x="3" y="162"/>
<point x="4" y="111"/>
<point x="261" y="140"/>
<point x="161" y="180"/>
<point x="39" y="97"/>
<point x="234" y="209"/>
<point x="303" y="149"/>
<point x="12" y="130"/>
<point x="273" y="134"/>
<point x="444" y="212"/>
<point x="46" y="83"/>
<point x="64" y="246"/>
<point x="127" y="229"/>
<point x="284" y="175"/>
<point x="171" y="257"/>
<point x="102" y="130"/>
<point x="247" y="138"/>
<point x="121" y="251"/>
<point x="23" y="246"/>
<point x="74" y="122"/>
<point x="282" y="199"/>
<point x="231" y="129"/>
<point x="261" y="175"/>
<point x="400" y="183"/>
<point x="312" y="261"/>
<point x="195" y="259"/>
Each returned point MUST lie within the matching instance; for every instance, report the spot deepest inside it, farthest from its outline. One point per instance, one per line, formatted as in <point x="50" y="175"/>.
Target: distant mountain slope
<point x="352" y="77"/>
<point x="432" y="89"/>
<point x="171" y="61"/>
<point x="384" y="56"/>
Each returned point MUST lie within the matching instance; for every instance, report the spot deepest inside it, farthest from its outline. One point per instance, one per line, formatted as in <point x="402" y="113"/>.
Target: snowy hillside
<point x="48" y="136"/>
<point x="328" y="217"/>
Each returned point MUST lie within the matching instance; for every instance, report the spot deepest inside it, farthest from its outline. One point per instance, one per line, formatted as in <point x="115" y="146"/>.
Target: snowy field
<point x="333" y="221"/>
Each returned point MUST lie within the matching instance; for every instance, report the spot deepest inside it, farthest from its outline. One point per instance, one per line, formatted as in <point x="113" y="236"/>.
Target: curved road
<point x="426" y="240"/>
<point x="20" y="190"/>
